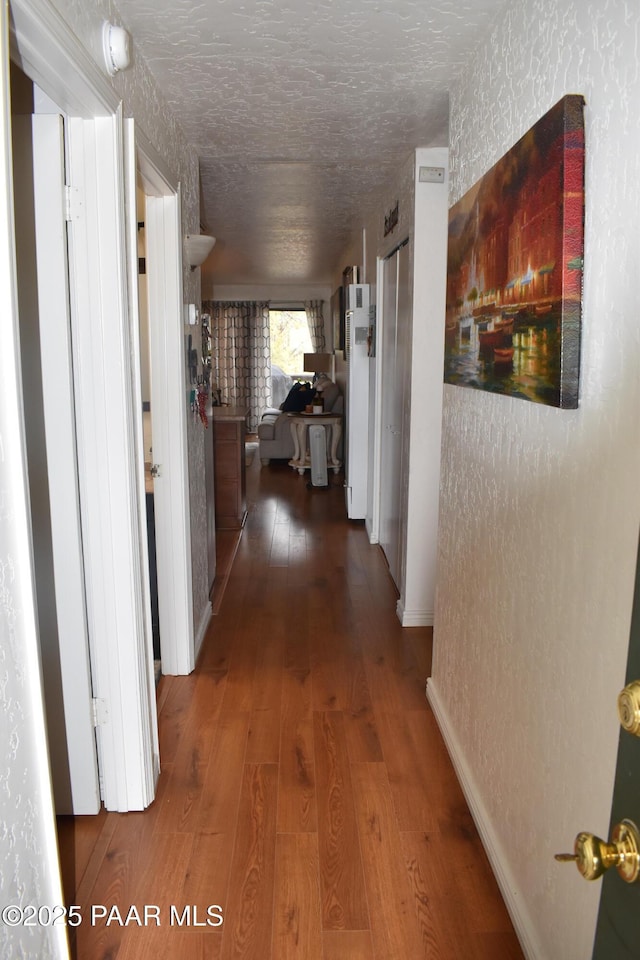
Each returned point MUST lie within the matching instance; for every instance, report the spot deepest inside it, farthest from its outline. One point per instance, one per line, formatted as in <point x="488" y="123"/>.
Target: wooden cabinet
<point x="229" y="429"/>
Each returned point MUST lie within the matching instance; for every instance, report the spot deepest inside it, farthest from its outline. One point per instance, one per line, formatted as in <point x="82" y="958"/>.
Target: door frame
<point x="48" y="52"/>
<point x="168" y="409"/>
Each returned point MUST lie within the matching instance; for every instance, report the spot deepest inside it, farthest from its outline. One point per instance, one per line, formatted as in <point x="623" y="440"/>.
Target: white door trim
<point x="48" y="52"/>
<point x="77" y="755"/>
<point x="149" y="716"/>
<point x="107" y="462"/>
<point x="168" y="414"/>
<point x="168" y="408"/>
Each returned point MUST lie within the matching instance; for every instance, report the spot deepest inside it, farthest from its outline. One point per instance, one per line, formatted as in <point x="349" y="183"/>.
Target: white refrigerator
<point x="356" y="444"/>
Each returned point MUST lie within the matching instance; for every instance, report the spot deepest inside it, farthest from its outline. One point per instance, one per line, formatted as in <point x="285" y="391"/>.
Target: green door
<point x="618" y="929"/>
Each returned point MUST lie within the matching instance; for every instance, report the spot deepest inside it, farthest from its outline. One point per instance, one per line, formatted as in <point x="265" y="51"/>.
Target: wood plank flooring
<point x="305" y="793"/>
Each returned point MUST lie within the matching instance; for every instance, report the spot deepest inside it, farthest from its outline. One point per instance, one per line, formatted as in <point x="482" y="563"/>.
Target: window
<point x="290" y="338"/>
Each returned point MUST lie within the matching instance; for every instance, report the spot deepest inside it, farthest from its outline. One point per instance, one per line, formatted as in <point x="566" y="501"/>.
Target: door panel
<point x="50" y="426"/>
<point x="618" y="929"/>
<point x="57" y="384"/>
<point x="109" y="475"/>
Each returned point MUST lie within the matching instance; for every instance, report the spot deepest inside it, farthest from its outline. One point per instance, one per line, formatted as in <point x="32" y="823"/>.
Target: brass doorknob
<point x="629" y="708"/>
<point x="593" y="856"/>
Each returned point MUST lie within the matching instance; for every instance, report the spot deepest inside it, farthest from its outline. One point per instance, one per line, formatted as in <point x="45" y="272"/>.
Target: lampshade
<point x="318" y="362"/>
<point x="198" y="246"/>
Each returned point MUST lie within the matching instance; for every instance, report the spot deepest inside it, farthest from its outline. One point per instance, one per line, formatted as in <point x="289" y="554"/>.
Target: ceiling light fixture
<point x="115" y="48"/>
<point x="198" y="246"/>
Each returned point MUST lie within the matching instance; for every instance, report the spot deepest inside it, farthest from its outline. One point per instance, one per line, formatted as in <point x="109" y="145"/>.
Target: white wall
<point x="417" y="598"/>
<point x="540" y="507"/>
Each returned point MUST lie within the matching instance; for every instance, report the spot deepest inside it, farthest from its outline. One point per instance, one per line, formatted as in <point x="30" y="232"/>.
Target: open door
<point x="616" y="858"/>
<point x="618" y="929"/>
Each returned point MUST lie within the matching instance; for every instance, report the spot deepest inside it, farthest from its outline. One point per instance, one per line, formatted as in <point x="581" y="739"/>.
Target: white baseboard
<point x="513" y="896"/>
<point x="372" y="531"/>
<point x="205" y="620"/>
<point x="413" y="618"/>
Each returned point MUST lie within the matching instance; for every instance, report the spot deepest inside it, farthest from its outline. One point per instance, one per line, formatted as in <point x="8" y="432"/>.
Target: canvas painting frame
<point x="514" y="267"/>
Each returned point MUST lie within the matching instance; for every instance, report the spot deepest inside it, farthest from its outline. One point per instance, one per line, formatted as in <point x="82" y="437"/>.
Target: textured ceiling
<point x="299" y="110"/>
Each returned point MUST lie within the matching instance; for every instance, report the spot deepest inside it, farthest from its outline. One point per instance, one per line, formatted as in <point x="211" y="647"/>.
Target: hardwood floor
<point x="305" y="788"/>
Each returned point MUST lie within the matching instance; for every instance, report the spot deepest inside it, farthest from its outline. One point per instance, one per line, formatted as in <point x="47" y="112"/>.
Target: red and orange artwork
<point x="514" y="270"/>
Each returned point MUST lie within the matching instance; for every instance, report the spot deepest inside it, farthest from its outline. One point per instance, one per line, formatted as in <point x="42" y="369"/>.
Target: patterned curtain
<point x="241" y="355"/>
<point x="315" y="319"/>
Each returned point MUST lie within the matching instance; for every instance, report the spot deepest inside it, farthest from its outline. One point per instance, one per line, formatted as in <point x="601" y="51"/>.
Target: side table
<point x="300" y="423"/>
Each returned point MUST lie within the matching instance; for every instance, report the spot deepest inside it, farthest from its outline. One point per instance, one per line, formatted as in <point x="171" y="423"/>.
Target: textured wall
<point x="540" y="507"/>
<point x="28" y="866"/>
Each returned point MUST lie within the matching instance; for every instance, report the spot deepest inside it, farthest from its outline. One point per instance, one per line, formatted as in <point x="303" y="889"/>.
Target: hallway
<point x="305" y="787"/>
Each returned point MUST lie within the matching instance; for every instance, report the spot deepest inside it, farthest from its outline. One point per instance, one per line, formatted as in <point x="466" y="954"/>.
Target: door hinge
<point x="100" y="712"/>
<point x="73" y="203"/>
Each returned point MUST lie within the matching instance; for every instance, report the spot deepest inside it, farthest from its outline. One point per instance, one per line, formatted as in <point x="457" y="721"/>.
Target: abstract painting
<point x="514" y="268"/>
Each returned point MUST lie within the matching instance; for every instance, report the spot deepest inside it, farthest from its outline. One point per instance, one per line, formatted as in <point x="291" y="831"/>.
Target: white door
<point x="168" y="412"/>
<point x="59" y="422"/>
<point x="53" y="468"/>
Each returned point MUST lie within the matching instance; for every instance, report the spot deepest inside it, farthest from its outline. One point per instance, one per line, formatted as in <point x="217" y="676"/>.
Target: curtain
<point x="241" y="355"/>
<point x="315" y="319"/>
